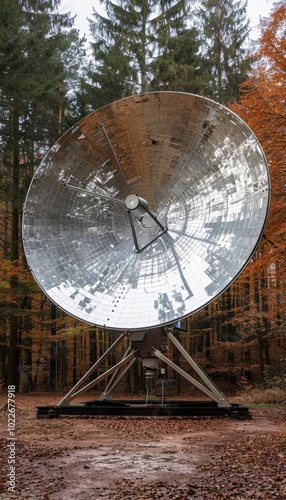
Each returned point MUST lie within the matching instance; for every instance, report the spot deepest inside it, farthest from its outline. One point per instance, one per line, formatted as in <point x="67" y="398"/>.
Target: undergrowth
<point x="273" y="395"/>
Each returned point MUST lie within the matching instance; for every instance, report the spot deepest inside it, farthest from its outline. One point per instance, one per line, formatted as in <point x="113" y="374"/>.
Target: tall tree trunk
<point x="260" y="356"/>
<point x="12" y="378"/>
<point x="53" y="355"/>
<point x="74" y="371"/>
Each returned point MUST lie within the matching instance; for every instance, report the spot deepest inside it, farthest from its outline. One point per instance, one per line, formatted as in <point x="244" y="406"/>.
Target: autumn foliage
<point x="262" y="106"/>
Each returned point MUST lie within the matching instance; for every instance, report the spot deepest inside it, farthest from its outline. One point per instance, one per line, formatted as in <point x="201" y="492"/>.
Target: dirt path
<point x="93" y="458"/>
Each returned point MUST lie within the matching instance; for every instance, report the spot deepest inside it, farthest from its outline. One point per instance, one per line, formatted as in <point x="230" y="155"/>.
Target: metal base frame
<point x="139" y="408"/>
<point x="219" y="406"/>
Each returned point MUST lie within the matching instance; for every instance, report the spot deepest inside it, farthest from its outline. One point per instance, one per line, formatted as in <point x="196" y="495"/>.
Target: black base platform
<point x="140" y="408"/>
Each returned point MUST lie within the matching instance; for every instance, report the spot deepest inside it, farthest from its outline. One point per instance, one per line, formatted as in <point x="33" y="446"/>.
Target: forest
<point x="50" y="78"/>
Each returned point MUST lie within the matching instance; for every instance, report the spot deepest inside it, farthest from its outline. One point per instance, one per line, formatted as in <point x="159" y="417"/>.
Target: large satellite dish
<point x="146" y="210"/>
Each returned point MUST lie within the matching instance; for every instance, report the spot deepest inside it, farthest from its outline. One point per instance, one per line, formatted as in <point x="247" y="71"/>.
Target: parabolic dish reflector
<point x="203" y="187"/>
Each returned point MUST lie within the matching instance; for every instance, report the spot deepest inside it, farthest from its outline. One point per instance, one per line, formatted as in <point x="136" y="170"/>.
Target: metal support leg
<point x="209" y="388"/>
<point x="217" y="395"/>
<point x="66" y="399"/>
<point x="113" y="377"/>
<point x="117" y="379"/>
<point x="105" y="375"/>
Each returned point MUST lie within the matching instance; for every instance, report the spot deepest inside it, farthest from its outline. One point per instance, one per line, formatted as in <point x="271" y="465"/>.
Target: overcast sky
<point x="83" y="9"/>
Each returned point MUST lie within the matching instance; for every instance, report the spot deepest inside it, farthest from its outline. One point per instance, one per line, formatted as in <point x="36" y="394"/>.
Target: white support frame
<point x="209" y="388"/>
<point x="121" y="368"/>
<point x="65" y="401"/>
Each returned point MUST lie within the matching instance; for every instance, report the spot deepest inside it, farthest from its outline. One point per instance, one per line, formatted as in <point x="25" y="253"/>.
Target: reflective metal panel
<point x="146" y="210"/>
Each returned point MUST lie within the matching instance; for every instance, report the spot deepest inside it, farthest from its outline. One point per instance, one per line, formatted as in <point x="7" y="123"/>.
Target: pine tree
<point x="127" y="40"/>
<point x="181" y="66"/>
<point x="34" y="43"/>
<point x="225" y="30"/>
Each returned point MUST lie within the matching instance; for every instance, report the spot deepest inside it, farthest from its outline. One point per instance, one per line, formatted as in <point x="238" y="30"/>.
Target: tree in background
<point x="127" y="40"/>
<point x="35" y="42"/>
<point x="262" y="106"/>
<point x="181" y="66"/>
<point x="224" y="28"/>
